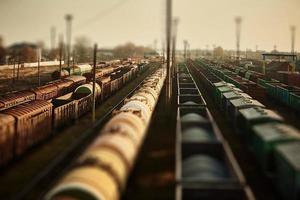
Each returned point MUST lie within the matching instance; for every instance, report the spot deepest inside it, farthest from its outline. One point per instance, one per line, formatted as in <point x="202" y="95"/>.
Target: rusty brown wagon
<point x="15" y="98"/>
<point x="33" y="123"/>
<point x="7" y="133"/>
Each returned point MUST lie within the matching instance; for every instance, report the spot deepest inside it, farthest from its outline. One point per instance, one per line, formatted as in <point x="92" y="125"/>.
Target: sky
<point x="112" y="22"/>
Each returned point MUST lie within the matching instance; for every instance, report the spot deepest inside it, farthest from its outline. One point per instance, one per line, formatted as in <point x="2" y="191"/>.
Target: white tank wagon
<point x="128" y="124"/>
<point x="87" y="89"/>
<point x="145" y="97"/>
<point x="102" y="171"/>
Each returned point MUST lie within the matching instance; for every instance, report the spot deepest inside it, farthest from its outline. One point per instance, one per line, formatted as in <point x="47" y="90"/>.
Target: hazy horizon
<point x="112" y="22"/>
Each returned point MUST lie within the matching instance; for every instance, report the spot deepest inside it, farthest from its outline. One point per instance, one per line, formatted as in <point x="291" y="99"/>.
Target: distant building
<point x="275" y="66"/>
<point x="2" y="52"/>
<point x="23" y="52"/>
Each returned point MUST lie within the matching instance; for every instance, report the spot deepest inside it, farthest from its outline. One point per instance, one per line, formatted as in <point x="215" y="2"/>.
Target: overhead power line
<point x="102" y="14"/>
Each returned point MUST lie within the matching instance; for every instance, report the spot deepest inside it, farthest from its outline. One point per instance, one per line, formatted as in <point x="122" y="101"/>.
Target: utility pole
<point x="19" y="62"/>
<point x="14" y="71"/>
<point x="190" y="51"/>
<point x="53" y="36"/>
<point x="60" y="54"/>
<point x="174" y="37"/>
<point x="207" y="49"/>
<point x="73" y="59"/>
<point x="68" y="18"/>
<point x="155" y="45"/>
<point x="187" y="50"/>
<point x="185" y="43"/>
<point x="163" y="51"/>
<point x="38" y="51"/>
<point x="238" y="21"/>
<point x="293" y="30"/>
<point x="168" y="37"/>
<point x="94" y="84"/>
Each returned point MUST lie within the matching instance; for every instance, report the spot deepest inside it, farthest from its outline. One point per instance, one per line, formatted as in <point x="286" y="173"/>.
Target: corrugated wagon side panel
<point x="64" y="114"/>
<point x="7" y="133"/>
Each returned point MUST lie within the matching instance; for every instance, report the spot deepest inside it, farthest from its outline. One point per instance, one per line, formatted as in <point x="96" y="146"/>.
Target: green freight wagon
<point x="220" y="91"/>
<point x="294" y="100"/>
<point x="266" y="137"/>
<point x="230" y="96"/>
<point x="283" y="93"/>
<point x="249" y="117"/>
<point x="287" y="158"/>
<point x="242" y="103"/>
<point x="271" y="89"/>
<point x="262" y="82"/>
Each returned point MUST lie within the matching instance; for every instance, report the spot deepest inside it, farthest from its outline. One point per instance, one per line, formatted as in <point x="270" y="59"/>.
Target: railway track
<point x="259" y="185"/>
<point x="265" y="178"/>
<point x="290" y="114"/>
<point x="101" y="172"/>
<point x="201" y="148"/>
<point x="36" y="185"/>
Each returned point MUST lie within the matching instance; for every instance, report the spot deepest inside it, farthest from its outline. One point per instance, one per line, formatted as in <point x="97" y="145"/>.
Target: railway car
<point x="64" y="110"/>
<point x="287" y="173"/>
<point x="45" y="92"/>
<point x="21" y="125"/>
<point x="205" y="166"/>
<point x="274" y="144"/>
<point x="99" y="73"/>
<point x="49" y="91"/>
<point x="278" y="85"/>
<point x="266" y="137"/>
<point x="7" y="134"/>
<point x="83" y="97"/>
<point x="79" y="69"/>
<point x="87" y="89"/>
<point x="101" y="172"/>
<point x="13" y="99"/>
<point x="105" y="83"/>
<point x="64" y="86"/>
<point x="252" y="116"/>
<point x="116" y="81"/>
<point x="30" y="118"/>
<point x="77" y="81"/>
<point x="60" y="74"/>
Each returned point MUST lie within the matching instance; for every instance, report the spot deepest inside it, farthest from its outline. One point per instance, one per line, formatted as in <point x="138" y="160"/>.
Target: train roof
<point x="29" y="108"/>
<point x="84" y="66"/>
<point x="76" y="78"/>
<point x="11" y="97"/>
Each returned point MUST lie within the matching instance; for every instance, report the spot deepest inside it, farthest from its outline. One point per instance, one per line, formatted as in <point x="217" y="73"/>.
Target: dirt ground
<point x="28" y="78"/>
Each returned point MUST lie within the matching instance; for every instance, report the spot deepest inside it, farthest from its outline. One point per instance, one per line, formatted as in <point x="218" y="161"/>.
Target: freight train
<point x="102" y="170"/>
<point x="59" y="87"/>
<point x="27" y="124"/>
<point x="275" y="144"/>
<point x="259" y="85"/>
<point x="81" y="69"/>
<point x="46" y="92"/>
<point x="205" y="165"/>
